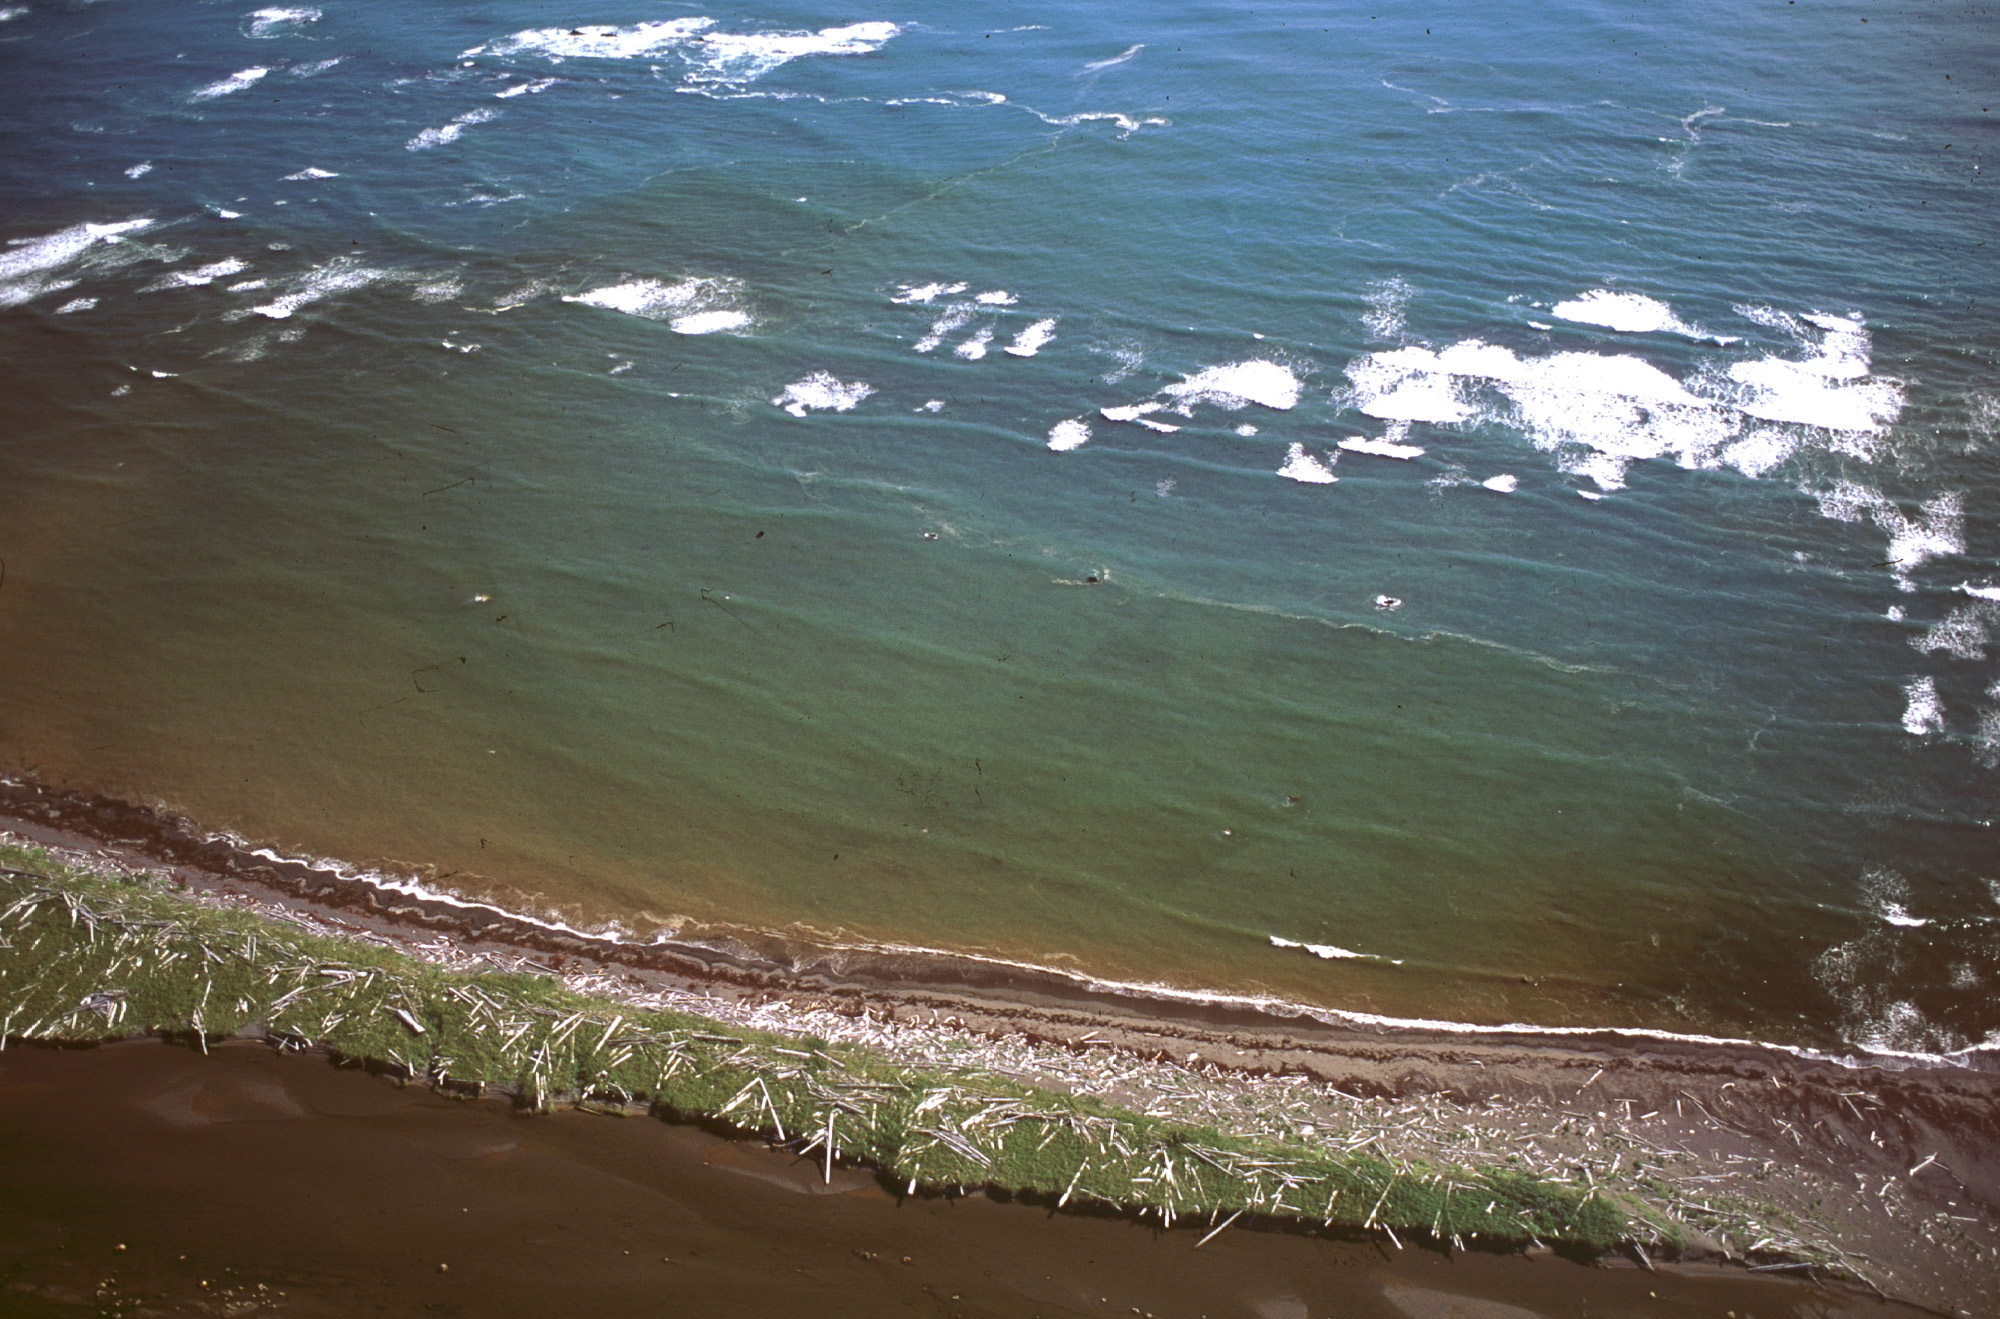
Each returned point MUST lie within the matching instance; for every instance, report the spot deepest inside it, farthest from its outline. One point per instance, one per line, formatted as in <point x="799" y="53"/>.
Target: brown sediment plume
<point x="1887" y="1168"/>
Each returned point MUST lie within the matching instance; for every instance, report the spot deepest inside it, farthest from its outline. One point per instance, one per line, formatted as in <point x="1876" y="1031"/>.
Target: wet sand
<point x="147" y="1178"/>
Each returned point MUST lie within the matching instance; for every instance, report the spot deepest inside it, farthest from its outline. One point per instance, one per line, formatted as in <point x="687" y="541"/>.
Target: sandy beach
<point x="1878" y="1177"/>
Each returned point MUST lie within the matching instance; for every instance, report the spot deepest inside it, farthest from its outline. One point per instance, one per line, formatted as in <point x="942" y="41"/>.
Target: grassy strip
<point x="87" y="957"/>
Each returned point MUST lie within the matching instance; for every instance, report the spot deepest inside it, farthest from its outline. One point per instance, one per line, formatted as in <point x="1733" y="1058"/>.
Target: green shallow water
<point x="353" y="516"/>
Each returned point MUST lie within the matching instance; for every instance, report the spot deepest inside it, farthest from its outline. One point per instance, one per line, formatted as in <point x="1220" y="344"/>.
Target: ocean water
<point x="1483" y="514"/>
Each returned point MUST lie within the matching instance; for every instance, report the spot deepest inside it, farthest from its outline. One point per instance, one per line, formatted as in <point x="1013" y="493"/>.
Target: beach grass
<point x="88" y="957"/>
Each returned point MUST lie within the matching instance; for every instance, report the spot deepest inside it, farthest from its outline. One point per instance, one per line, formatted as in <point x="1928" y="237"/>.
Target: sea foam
<point x="1303" y="467"/>
<point x="1071" y="434"/>
<point x="437" y="137"/>
<point x="1236" y="385"/>
<point x="1963" y="633"/>
<point x="692" y="306"/>
<point x="1098" y="66"/>
<point x="1031" y="340"/>
<point x="1629" y="313"/>
<point x="235" y="82"/>
<point x="31" y="267"/>
<point x="1383" y="448"/>
<point x="1939" y="530"/>
<point x="822" y="391"/>
<point x="1600" y="412"/>
<point x="276" y="22"/>
<point x="187" y="279"/>
<point x="712" y="57"/>
<point x="1924" y="713"/>
<point x="924" y="293"/>
<point x="341" y="275"/>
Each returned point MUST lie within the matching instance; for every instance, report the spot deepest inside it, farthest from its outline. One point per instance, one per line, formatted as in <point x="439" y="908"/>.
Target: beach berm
<point x="97" y="957"/>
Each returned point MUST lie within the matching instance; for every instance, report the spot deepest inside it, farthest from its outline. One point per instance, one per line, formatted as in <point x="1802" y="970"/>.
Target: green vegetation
<point x="87" y="957"/>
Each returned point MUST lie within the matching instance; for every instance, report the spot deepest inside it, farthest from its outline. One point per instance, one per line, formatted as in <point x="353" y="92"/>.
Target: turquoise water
<point x="854" y="472"/>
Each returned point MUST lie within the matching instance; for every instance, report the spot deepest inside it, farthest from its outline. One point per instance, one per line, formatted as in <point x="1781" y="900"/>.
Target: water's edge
<point x="748" y="961"/>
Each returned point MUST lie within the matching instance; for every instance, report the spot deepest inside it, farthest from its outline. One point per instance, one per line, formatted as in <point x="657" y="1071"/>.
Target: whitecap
<point x="341" y="275"/>
<point x="1031" y="340"/>
<point x="1801" y="392"/>
<point x="1137" y="413"/>
<point x="76" y="305"/>
<point x="1245" y="429"/>
<point x="1962" y="633"/>
<point x="1986" y="738"/>
<point x="1098" y="66"/>
<point x="975" y="348"/>
<point x="1505" y="484"/>
<point x="1387" y="301"/>
<point x="1071" y="434"/>
<point x="1759" y="450"/>
<point x="1987" y="592"/>
<point x="310" y="172"/>
<point x="1127" y="124"/>
<point x="710" y="322"/>
<point x="997" y="298"/>
<point x="920" y="293"/>
<point x="235" y="82"/>
<point x="139" y="170"/>
<point x="437" y="137"/>
<point x="1383" y="448"/>
<point x="28" y="267"/>
<point x="1331" y="952"/>
<point x="1888" y="891"/>
<point x="1129" y="356"/>
<point x="186" y="279"/>
<point x="1238" y="384"/>
<point x="1405" y="384"/>
<point x="822" y="391"/>
<point x="1600" y="412"/>
<point x="535" y="88"/>
<point x="1629" y="313"/>
<point x="269" y="22"/>
<point x="1924" y="712"/>
<point x="1939" y="531"/>
<point x="700" y="305"/>
<point x="950" y="319"/>
<point x="728" y="57"/>
<point x="724" y="58"/>
<point x="521" y="296"/>
<point x="640" y="41"/>
<point x="1303" y="467"/>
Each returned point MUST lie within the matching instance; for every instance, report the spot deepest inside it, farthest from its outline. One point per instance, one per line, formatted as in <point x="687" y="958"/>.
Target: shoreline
<point x="1742" y="1136"/>
<point x="752" y="961"/>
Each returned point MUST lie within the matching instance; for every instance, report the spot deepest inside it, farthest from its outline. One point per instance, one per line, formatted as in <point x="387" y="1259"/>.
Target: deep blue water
<point x="853" y="470"/>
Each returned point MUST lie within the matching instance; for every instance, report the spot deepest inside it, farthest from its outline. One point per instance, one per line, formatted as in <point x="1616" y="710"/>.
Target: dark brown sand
<point x="146" y="1178"/>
